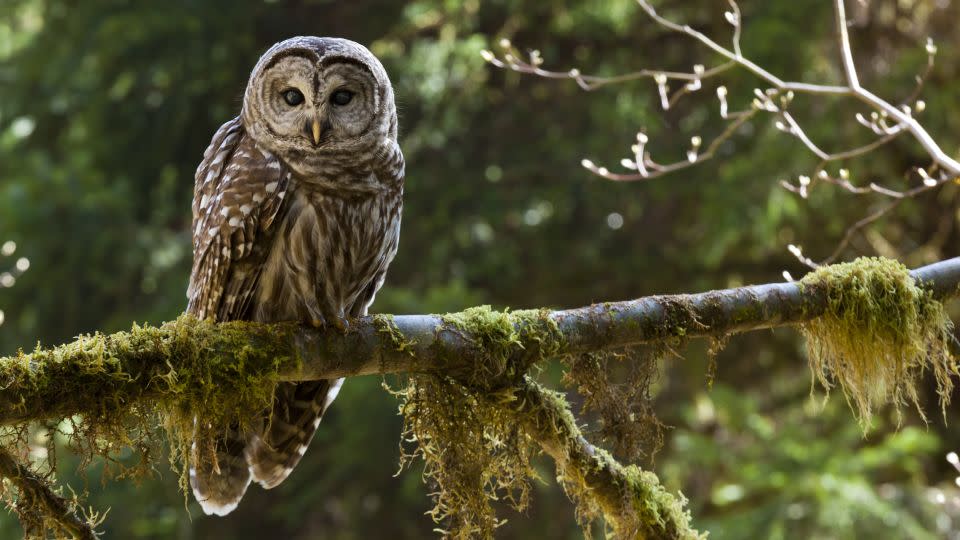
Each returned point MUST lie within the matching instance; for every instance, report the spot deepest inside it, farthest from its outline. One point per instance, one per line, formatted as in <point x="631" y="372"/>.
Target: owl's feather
<point x="238" y="193"/>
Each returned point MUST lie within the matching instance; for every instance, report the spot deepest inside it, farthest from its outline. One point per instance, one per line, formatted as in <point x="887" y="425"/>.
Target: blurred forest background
<point x="107" y="106"/>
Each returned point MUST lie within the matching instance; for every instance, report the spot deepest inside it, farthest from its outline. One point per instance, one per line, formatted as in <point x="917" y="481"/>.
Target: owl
<point x="296" y="217"/>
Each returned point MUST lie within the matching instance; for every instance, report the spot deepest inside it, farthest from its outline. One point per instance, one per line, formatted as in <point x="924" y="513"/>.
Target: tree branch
<point x="35" y="489"/>
<point x="97" y="376"/>
<point x="132" y="366"/>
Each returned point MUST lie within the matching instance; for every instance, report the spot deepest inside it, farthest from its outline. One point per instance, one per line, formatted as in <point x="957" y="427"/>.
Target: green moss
<point x="211" y="380"/>
<point x="385" y="325"/>
<point x="118" y="388"/>
<point x="879" y="334"/>
<point x="507" y="343"/>
<point x="477" y="431"/>
<point x="474" y="452"/>
<point x="662" y="510"/>
<point x="464" y="424"/>
<point x="631" y="502"/>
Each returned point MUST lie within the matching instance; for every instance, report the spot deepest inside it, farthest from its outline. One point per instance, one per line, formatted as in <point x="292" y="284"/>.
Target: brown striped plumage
<point x="296" y="217"/>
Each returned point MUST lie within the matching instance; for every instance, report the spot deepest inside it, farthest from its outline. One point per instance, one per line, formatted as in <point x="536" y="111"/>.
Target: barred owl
<point x="296" y="216"/>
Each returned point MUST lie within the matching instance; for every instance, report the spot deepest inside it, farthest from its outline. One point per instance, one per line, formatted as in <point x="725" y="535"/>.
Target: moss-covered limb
<point x="435" y="344"/>
<point x="632" y="502"/>
<point x="103" y="375"/>
<point x="110" y="372"/>
<point x="34" y="493"/>
<point x="123" y="383"/>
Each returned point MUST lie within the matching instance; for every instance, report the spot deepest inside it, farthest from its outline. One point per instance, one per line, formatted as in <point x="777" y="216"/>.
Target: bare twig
<point x="513" y="61"/>
<point x="849" y="68"/>
<point x="735" y="57"/>
<point x="899" y="197"/>
<point x="852" y="88"/>
<point x="887" y="120"/>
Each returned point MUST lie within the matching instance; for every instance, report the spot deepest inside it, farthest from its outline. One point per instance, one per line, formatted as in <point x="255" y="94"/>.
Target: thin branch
<point x="734" y="18"/>
<point x="798" y="132"/>
<point x="901" y="115"/>
<point x="849" y="68"/>
<point x="648" y="169"/>
<point x="899" y="197"/>
<point x="852" y="88"/>
<point x="512" y="61"/>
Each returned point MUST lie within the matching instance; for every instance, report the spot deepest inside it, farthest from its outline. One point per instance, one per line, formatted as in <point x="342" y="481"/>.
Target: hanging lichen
<point x="465" y="427"/>
<point x="478" y="430"/>
<point x="879" y="334"/>
<point x="474" y="453"/>
<point x="616" y="388"/>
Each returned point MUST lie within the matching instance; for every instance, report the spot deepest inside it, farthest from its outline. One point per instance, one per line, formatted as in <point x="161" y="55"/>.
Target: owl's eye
<point x="341" y="97"/>
<point x="293" y="97"/>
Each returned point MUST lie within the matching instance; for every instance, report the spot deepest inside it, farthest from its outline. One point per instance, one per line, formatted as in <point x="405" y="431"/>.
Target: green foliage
<point x="107" y="105"/>
<point x="767" y="466"/>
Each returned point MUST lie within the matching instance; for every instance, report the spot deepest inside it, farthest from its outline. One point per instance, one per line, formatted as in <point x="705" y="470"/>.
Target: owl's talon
<point x="342" y="324"/>
<point x="318" y="323"/>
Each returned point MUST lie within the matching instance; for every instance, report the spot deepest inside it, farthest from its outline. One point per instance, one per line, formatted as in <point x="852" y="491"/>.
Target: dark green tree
<point x="106" y="107"/>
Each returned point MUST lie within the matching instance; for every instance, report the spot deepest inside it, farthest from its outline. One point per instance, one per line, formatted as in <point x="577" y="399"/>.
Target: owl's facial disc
<point x="284" y="100"/>
<point x="347" y="98"/>
<point x="308" y="106"/>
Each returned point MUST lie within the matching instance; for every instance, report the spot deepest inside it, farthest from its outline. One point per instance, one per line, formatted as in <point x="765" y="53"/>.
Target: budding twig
<point x="886" y="120"/>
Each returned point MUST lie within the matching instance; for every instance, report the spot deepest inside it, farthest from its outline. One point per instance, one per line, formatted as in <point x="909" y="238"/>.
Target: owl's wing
<point x="238" y="195"/>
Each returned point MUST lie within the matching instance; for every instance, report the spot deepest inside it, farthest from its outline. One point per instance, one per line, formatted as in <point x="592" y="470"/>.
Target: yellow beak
<point x="315" y="126"/>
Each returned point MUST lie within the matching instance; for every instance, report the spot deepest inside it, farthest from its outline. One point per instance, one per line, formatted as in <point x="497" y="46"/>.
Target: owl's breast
<point x="328" y="252"/>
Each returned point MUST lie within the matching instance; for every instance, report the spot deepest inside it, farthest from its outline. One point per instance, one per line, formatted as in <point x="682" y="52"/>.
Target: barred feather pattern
<point x="287" y="230"/>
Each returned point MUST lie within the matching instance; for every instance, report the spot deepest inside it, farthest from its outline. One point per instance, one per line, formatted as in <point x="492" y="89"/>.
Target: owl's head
<point x="313" y="98"/>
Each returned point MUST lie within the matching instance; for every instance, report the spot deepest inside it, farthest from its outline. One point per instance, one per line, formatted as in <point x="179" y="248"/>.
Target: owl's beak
<point x="315" y="129"/>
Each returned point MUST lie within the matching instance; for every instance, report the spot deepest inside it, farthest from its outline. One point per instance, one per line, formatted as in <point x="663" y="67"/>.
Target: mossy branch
<point x="633" y="502"/>
<point x="34" y="493"/>
<point x="120" y="369"/>
<point x="188" y="368"/>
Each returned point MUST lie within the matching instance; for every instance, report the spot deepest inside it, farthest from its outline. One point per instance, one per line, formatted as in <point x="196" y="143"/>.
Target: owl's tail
<point x="219" y="484"/>
<point x="297" y="410"/>
<point x="268" y="457"/>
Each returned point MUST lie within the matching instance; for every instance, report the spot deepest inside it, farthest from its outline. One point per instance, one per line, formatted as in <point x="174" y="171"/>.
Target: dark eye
<point x="293" y="97"/>
<point x="341" y="97"/>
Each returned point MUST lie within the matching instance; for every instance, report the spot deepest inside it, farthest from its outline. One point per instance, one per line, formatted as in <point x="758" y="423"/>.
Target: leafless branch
<point x="899" y="197"/>
<point x="886" y="120"/>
